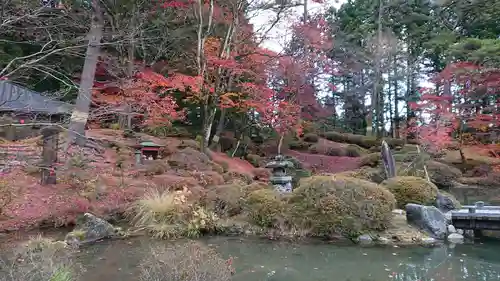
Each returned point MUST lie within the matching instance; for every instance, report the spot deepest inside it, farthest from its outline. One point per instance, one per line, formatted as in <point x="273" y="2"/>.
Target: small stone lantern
<point x="279" y="178"/>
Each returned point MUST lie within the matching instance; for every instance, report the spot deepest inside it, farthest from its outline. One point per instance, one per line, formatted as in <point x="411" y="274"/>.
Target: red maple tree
<point x="471" y="111"/>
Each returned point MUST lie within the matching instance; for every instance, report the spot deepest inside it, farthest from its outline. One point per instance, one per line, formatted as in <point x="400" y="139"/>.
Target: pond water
<point x="262" y="260"/>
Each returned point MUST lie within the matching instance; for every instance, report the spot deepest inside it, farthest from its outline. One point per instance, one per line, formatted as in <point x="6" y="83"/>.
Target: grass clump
<point x="188" y="261"/>
<point x="171" y="215"/>
<point x="40" y="259"/>
<point x="411" y="190"/>
<point x="333" y="204"/>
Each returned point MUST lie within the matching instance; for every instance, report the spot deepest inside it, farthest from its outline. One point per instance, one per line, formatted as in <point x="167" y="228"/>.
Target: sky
<point x="280" y="34"/>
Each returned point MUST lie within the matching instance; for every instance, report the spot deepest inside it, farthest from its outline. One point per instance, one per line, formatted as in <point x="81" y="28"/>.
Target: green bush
<point x="226" y="200"/>
<point x="336" y="151"/>
<point x="337" y="204"/>
<point x="353" y="150"/>
<point x="264" y="206"/>
<point x="335" y="136"/>
<point x="298" y="145"/>
<point x="411" y="190"/>
<point x="313" y="138"/>
<point x="254" y="159"/>
<point x="371" y="160"/>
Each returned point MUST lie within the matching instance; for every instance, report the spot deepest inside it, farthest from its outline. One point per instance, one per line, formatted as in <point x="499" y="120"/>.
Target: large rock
<point x="427" y="218"/>
<point x="90" y="230"/>
<point x="442" y="175"/>
<point x="446" y="202"/>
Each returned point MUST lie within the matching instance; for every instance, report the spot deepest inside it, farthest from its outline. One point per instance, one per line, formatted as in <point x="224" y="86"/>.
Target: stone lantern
<point x="279" y="178"/>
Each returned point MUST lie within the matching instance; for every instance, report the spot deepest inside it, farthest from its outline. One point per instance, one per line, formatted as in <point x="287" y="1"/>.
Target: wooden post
<point x="10" y="133"/>
<point x="49" y="154"/>
<point x="125" y="119"/>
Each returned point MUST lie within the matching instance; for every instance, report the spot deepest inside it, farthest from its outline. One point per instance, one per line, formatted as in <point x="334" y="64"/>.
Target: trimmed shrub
<point x="226" y="200"/>
<point x="371" y="160"/>
<point x="298" y="145"/>
<point x="261" y="174"/>
<point x="189" y="143"/>
<point x="264" y="206"/>
<point x="411" y="190"/>
<point x="313" y="138"/>
<point x="393" y="143"/>
<point x="442" y="175"/>
<point x="336" y="151"/>
<point x="353" y="150"/>
<point x="337" y="204"/>
<point x="254" y="159"/>
<point x="156" y="167"/>
<point x="369" y="174"/>
<point x="335" y="136"/>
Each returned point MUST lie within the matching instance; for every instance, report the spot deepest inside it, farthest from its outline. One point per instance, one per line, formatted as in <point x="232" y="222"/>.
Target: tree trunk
<point x="80" y="114"/>
<point x="396" y="100"/>
<point x="377" y="87"/>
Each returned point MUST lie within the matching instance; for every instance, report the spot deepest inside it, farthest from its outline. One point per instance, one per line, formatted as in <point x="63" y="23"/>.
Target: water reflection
<point x="259" y="260"/>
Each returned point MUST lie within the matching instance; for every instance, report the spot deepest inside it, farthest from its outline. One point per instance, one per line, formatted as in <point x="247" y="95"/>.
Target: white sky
<point x="280" y="34"/>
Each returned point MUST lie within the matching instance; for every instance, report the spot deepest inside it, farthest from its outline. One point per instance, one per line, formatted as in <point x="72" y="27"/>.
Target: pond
<point x="262" y="260"/>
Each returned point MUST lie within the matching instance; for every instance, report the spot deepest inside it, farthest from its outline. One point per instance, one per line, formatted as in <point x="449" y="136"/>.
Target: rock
<point x="445" y="202"/>
<point x="447" y="215"/>
<point x="427" y="218"/>
<point x="365" y="239"/>
<point x="455" y="238"/>
<point x="383" y="241"/>
<point x="428" y="241"/>
<point x="460" y="231"/>
<point x="398" y="212"/>
<point x="90" y="230"/>
<point x="451" y="229"/>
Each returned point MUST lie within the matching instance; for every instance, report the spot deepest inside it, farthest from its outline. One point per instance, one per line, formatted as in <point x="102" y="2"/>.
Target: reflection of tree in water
<point x="443" y="265"/>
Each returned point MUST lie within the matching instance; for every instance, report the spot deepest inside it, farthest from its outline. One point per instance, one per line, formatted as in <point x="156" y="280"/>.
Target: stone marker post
<point x="49" y="154"/>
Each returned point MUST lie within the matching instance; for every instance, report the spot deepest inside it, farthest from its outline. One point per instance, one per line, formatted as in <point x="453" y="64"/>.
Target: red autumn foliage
<point x="474" y="110"/>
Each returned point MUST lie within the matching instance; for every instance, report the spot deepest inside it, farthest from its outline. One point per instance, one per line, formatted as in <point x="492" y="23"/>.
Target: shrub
<point x="298" y="145"/>
<point x="335" y="136"/>
<point x="371" y="160"/>
<point x="189" y="143"/>
<point x="368" y="174"/>
<point x="441" y="174"/>
<point x="208" y="178"/>
<point x="353" y="150"/>
<point x="261" y="174"/>
<point x="338" y="204"/>
<point x="234" y="175"/>
<point x="411" y="190"/>
<point x="363" y="141"/>
<point x="156" y="167"/>
<point x="226" y="200"/>
<point x="254" y="159"/>
<point x="264" y="207"/>
<point x="171" y="215"/>
<point x="393" y="143"/>
<point x="336" y="151"/>
<point x="227" y="143"/>
<point x="313" y="138"/>
<point x="188" y="261"/>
